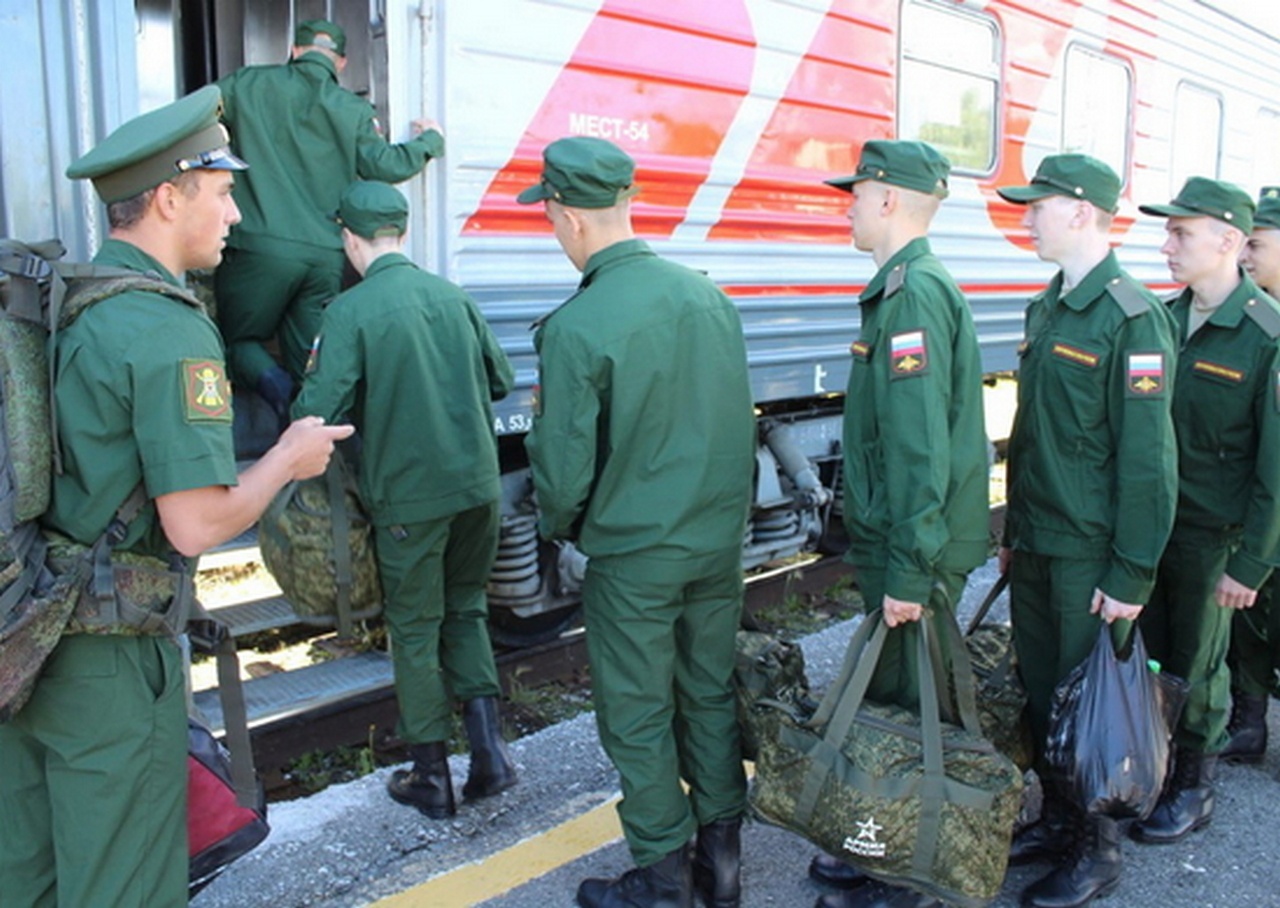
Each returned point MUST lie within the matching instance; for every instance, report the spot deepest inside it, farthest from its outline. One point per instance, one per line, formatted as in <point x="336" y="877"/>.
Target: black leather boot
<point x="1187" y="802"/>
<point x="717" y="863"/>
<point x="427" y="785"/>
<point x="1248" y="729"/>
<point x="877" y="895"/>
<point x="1091" y="874"/>
<point x="833" y="872"/>
<point x="666" y="884"/>
<point x="491" y="768"/>
<point x="1052" y="837"/>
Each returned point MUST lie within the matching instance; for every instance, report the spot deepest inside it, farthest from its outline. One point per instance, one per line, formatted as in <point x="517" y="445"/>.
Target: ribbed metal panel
<point x="69" y="78"/>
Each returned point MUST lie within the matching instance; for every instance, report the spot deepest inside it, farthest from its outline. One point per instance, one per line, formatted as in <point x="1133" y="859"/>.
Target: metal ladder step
<point x="257" y="615"/>
<point x="286" y="694"/>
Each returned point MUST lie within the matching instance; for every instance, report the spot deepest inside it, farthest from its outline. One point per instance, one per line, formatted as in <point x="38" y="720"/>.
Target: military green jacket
<point x="643" y="438"/>
<point x="1226" y="407"/>
<point x="1092" y="457"/>
<point x="408" y="356"/>
<point x="305" y="138"/>
<point x="915" y="450"/>
<point x="142" y="396"/>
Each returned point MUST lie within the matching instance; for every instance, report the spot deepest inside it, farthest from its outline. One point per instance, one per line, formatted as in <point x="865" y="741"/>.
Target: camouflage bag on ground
<point x="768" y="674"/>
<point x="1001" y="698"/>
<point x="902" y="797"/>
<point x="317" y="542"/>
<point x="39" y="296"/>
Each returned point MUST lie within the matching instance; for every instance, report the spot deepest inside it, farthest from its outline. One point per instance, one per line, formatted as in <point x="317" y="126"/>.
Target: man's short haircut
<point x="127" y="212"/>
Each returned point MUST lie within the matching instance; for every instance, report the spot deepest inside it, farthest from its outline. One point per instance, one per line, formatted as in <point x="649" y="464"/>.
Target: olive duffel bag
<point x="907" y="799"/>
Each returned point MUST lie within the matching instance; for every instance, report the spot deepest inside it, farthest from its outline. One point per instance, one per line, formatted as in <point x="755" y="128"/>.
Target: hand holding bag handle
<point x="839" y="710"/>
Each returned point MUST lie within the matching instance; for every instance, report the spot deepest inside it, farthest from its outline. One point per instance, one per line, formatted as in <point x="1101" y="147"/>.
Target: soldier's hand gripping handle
<point x="308" y="443"/>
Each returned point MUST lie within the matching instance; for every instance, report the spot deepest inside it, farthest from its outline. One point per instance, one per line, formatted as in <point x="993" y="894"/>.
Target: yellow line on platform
<point x="514" y="866"/>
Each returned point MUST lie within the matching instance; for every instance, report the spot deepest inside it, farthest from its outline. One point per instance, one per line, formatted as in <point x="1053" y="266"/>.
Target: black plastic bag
<point x="1109" y="729"/>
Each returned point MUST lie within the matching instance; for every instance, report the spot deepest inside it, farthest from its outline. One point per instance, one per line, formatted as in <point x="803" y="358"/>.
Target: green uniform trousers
<point x="1188" y="633"/>
<point x="1254" y="654"/>
<point x="897" y="675"/>
<point x="1053" y="630"/>
<point x="261" y="296"/>
<point x="93" y="780"/>
<point x="433" y="579"/>
<point x="660" y="640"/>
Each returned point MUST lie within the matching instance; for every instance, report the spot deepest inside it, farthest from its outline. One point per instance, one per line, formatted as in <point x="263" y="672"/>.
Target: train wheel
<point x="510" y="630"/>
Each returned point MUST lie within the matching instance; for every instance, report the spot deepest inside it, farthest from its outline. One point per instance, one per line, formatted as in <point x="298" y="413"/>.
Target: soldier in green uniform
<point x="1226" y="536"/>
<point x="93" y="791"/>
<point x="1092" y="481"/>
<point x="1254" y="655"/>
<point x="915" y="449"/>
<point x="642" y="452"/>
<point x="408" y="356"/>
<point x="307" y="138"/>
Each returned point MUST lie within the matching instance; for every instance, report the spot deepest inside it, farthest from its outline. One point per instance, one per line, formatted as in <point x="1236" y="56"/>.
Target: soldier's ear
<point x="889" y="202"/>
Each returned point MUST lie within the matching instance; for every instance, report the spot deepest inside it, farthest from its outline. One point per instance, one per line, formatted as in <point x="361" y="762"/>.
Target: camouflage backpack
<point x="41" y="582"/>
<point x="317" y="542"/>
<point x="768" y="676"/>
<point x="1001" y="698"/>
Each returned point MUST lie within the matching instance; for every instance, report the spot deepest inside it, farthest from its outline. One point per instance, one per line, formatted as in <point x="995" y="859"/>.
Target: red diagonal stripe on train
<point x="840" y="95"/>
<point x="661" y="78"/>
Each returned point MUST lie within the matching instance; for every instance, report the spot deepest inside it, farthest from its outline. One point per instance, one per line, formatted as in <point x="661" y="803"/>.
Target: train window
<point x="1197" y="135"/>
<point x="1095" y="107"/>
<point x="1266" y="148"/>
<point x="949" y="82"/>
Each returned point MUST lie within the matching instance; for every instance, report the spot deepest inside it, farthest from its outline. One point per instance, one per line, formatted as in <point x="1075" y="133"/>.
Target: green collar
<point x="913" y="250"/>
<point x="123" y="254"/>
<point x="385" y="261"/>
<point x="315" y="58"/>
<point x="612" y="255"/>
<point x="1082" y="295"/>
<point x="1229" y="314"/>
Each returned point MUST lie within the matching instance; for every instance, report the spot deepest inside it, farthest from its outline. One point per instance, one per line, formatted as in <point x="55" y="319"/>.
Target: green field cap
<point x="371" y="209"/>
<point x="1203" y="197"/>
<point x="1268" y="213"/>
<point x="1076" y="176"/>
<point x="911" y="165"/>
<point x="321" y="33"/>
<point x="583" y="172"/>
<point x="157" y="146"/>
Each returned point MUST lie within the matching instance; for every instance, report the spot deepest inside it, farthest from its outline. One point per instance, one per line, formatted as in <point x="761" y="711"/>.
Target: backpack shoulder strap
<point x="91" y="284"/>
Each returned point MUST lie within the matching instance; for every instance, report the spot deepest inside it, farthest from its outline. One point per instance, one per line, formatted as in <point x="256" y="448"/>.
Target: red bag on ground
<point x="219" y="829"/>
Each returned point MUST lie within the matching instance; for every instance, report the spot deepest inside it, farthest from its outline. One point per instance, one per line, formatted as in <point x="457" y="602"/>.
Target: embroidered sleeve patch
<point x="1075" y="355"/>
<point x="206" y="393"/>
<point x="908" y="354"/>
<point x="1145" y="375"/>
<point x="1217" y="370"/>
